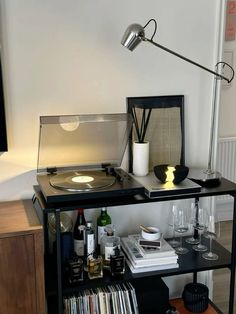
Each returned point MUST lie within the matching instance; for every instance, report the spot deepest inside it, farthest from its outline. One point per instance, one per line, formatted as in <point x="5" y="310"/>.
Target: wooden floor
<point x="221" y="277"/>
<point x="179" y="305"/>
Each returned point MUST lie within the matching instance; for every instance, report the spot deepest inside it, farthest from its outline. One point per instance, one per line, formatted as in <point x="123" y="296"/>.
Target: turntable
<point x="79" y="157"/>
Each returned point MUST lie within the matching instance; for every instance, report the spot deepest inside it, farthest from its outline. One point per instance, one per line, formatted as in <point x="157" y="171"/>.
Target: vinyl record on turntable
<point x="82" y="181"/>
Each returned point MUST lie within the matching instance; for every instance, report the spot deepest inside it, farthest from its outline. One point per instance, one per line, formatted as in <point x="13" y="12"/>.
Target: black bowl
<point x="180" y="173"/>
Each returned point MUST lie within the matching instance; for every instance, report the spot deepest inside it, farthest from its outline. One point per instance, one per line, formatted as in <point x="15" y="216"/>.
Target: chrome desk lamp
<point x="135" y="34"/>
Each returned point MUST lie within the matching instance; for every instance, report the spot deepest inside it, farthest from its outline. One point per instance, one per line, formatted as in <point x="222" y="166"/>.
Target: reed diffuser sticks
<point x="141" y="128"/>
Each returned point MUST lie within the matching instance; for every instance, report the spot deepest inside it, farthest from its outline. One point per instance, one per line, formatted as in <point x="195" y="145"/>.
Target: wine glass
<point x="211" y="233"/>
<point x="173" y="213"/>
<point x="201" y="224"/>
<point x="192" y="224"/>
<point x="181" y="226"/>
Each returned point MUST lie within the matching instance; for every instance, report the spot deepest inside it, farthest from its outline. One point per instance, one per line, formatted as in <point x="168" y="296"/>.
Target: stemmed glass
<point x="181" y="226"/>
<point x="210" y="234"/>
<point x="173" y="214"/>
<point x="192" y="224"/>
<point x="201" y="224"/>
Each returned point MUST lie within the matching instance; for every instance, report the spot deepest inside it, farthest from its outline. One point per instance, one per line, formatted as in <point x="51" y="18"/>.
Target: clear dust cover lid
<point x="87" y="141"/>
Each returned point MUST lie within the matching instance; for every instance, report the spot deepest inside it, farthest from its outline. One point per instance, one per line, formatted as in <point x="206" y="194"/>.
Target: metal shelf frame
<point x="193" y="265"/>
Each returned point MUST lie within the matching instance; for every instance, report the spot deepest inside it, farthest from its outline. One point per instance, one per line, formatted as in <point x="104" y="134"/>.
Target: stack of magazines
<point x="115" y="299"/>
<point x="142" y="259"/>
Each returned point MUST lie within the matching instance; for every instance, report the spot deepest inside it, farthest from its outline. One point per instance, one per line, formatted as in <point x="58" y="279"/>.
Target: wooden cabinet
<point x="21" y="259"/>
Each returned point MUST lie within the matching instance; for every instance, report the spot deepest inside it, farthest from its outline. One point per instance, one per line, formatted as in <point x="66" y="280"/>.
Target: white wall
<point x="65" y="57"/>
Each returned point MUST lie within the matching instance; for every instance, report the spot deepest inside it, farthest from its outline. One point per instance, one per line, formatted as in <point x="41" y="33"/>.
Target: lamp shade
<point x="133" y="35"/>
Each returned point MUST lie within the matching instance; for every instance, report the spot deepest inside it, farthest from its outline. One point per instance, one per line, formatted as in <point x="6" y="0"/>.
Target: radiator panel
<point x="226" y="161"/>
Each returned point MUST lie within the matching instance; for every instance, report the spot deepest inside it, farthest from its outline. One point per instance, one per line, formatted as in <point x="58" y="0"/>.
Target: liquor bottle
<point x="102" y="221"/>
<point x="89" y="242"/>
<point x="78" y="233"/>
<point x="108" y="244"/>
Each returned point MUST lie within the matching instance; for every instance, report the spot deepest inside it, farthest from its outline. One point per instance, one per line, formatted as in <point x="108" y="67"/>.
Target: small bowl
<point x="151" y="236"/>
<point x="180" y="173"/>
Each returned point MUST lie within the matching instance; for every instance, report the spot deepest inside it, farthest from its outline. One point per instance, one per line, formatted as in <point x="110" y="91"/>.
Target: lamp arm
<point x="190" y="61"/>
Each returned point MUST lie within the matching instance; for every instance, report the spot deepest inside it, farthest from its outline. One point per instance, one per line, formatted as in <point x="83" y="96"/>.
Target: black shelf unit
<point x="191" y="263"/>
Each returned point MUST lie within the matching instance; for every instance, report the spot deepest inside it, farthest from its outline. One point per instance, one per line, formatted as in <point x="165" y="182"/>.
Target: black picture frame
<point x="158" y="102"/>
<point x="3" y="130"/>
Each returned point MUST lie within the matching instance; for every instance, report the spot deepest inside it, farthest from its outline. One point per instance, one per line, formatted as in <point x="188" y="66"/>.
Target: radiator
<point x="226" y="161"/>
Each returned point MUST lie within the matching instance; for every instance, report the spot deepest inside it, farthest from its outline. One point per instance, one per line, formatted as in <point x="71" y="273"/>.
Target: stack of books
<point x="144" y="259"/>
<point x="115" y="299"/>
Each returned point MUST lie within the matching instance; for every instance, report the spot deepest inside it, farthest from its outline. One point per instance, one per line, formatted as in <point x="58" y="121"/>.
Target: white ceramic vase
<point x="140" y="158"/>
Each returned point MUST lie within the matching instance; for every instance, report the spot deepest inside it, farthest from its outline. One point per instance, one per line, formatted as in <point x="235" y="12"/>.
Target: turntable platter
<point x="76" y="181"/>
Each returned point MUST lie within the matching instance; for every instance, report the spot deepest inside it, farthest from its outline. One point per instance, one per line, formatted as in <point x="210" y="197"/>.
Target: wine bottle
<point x="89" y="239"/>
<point x="103" y="220"/>
<point x="78" y="233"/>
<point x="89" y="242"/>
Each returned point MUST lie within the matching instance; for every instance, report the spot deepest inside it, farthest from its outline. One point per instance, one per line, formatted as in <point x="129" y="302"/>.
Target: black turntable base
<point x="81" y="185"/>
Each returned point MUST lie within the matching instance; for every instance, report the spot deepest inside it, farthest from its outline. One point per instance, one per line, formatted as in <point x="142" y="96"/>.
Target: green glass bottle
<point x="103" y="220"/>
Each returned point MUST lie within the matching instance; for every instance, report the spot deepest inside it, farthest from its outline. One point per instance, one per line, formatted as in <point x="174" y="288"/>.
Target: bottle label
<point x="79" y="247"/>
<point x="81" y="228"/>
<point x="101" y="232"/>
<point x="109" y="250"/>
<point x="90" y="243"/>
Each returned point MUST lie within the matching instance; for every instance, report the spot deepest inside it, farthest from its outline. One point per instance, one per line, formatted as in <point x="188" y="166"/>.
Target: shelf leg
<point x="195" y="277"/>
<point x="196" y="235"/>
<point x="231" y="292"/>
<point x="45" y="230"/>
<point x="59" y="278"/>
